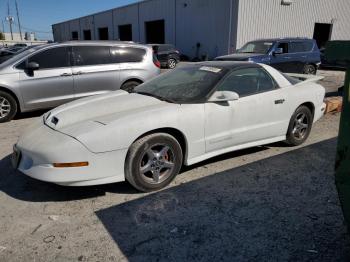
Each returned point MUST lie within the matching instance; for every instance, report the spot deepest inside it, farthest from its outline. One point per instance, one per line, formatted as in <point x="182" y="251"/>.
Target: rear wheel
<point x="153" y="162"/>
<point x="172" y="63"/>
<point x="310" y="69"/>
<point x="8" y="107"/>
<point x="129" y="86"/>
<point x="299" y="126"/>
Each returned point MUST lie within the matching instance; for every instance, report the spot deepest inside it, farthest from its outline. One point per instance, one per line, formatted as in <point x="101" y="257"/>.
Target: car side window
<point x="284" y="47"/>
<point x="247" y="81"/>
<point x="127" y="54"/>
<point x="91" y="55"/>
<point x="299" y="47"/>
<point x="48" y="59"/>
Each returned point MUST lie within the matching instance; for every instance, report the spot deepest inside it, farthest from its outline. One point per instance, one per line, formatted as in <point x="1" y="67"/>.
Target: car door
<point x="52" y="84"/>
<point x="282" y="61"/>
<point x="94" y="71"/>
<point x="259" y="113"/>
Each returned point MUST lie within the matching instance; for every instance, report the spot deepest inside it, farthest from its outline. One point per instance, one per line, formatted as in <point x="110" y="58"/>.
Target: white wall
<point x="206" y="22"/>
<point x="268" y="18"/>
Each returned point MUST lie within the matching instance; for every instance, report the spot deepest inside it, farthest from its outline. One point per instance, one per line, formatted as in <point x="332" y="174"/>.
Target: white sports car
<point x="185" y="116"/>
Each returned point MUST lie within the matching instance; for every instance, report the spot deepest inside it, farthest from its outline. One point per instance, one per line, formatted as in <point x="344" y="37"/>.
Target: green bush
<point x="2" y="36"/>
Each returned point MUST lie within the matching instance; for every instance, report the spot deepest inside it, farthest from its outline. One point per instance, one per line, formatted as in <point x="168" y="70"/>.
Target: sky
<point x="39" y="15"/>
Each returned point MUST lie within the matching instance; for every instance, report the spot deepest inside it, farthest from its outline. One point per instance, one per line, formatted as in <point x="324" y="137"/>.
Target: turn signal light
<point x="76" y="164"/>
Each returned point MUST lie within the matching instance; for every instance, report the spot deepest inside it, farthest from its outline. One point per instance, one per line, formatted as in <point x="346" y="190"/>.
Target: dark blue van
<point x="289" y="55"/>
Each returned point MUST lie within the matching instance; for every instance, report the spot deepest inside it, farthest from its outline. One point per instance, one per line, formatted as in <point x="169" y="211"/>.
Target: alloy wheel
<point x="301" y="126"/>
<point x="157" y="164"/>
<point x="172" y="63"/>
<point x="5" y="107"/>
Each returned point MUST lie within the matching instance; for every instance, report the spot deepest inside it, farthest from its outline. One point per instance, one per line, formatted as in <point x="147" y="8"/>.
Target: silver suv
<point x="50" y="75"/>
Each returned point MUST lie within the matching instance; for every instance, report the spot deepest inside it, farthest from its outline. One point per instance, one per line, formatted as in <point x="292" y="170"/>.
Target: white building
<point x="212" y="27"/>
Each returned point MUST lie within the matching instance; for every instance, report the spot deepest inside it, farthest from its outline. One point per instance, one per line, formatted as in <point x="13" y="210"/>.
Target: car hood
<point x="237" y="57"/>
<point x="98" y="110"/>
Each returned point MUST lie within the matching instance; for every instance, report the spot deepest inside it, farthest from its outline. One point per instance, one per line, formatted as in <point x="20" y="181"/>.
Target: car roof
<point x="99" y="43"/>
<point x="284" y="39"/>
<point x="227" y="64"/>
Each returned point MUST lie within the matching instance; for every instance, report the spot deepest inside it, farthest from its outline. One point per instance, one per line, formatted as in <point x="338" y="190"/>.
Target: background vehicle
<point x="167" y="55"/>
<point x="7" y="53"/>
<point x="50" y="75"/>
<point x="292" y="55"/>
<point x="186" y="115"/>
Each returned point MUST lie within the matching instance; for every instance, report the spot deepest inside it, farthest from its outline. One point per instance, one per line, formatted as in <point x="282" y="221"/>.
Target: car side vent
<point x="54" y="120"/>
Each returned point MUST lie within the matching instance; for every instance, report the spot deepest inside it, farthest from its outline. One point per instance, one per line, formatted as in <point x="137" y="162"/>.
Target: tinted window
<point x="127" y="54"/>
<point x="91" y="55"/>
<point x="284" y="47"/>
<point x="51" y="58"/>
<point x="297" y="47"/>
<point x="247" y="81"/>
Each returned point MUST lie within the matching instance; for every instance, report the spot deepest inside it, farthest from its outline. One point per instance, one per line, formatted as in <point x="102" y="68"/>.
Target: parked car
<point x="335" y="64"/>
<point x="184" y="116"/>
<point x="293" y="55"/>
<point x="7" y="53"/>
<point x="168" y="55"/>
<point x="50" y="75"/>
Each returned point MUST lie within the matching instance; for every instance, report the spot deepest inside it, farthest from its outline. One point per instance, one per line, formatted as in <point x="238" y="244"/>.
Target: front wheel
<point x="153" y="162"/>
<point x="129" y="86"/>
<point x="299" y="126"/>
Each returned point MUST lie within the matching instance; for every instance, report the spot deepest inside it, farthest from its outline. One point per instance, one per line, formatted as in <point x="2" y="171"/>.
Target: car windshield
<point x="187" y="84"/>
<point x="14" y="57"/>
<point x="258" y="47"/>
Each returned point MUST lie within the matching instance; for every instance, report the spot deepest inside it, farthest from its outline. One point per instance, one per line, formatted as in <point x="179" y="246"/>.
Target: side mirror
<point x="32" y="66"/>
<point x="278" y="51"/>
<point x="224" y="96"/>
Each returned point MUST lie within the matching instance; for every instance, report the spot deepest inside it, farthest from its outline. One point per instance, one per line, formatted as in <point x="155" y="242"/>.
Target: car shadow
<point x="30" y="114"/>
<point x="22" y="187"/>
<point x="283" y="208"/>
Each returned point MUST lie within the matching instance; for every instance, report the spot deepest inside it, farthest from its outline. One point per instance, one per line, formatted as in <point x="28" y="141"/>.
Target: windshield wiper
<point x="156" y="96"/>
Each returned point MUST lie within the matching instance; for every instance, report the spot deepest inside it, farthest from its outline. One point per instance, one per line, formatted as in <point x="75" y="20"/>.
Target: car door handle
<point x="279" y="101"/>
<point x="66" y="74"/>
<point x="78" y="73"/>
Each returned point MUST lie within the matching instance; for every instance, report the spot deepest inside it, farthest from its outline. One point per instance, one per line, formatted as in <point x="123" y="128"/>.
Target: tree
<point x="2" y="36"/>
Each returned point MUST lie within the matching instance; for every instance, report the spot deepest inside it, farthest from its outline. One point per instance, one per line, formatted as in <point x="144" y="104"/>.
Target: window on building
<point x="87" y="34"/>
<point x="52" y="58"/>
<point x="127" y="54"/>
<point x="247" y="82"/>
<point x="103" y="33"/>
<point x="75" y="35"/>
<point x="125" y="32"/>
<point x="91" y="55"/>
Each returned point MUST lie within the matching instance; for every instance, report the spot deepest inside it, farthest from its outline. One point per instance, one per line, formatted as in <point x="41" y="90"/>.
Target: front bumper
<point x="42" y="146"/>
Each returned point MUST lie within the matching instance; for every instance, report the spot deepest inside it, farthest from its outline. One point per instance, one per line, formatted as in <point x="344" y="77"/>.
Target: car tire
<point x="8" y="107"/>
<point x="172" y="63"/>
<point x="310" y="69"/>
<point x="299" y="126"/>
<point x="129" y="86"/>
<point x="153" y="162"/>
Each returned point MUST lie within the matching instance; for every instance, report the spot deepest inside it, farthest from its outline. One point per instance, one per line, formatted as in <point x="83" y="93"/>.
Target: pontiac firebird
<point x="182" y="117"/>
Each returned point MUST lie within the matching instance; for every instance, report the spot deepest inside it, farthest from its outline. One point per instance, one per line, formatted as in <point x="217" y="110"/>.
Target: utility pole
<point x="9" y="19"/>
<point x="3" y="26"/>
<point x="19" y="23"/>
